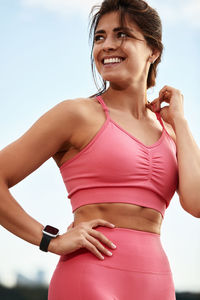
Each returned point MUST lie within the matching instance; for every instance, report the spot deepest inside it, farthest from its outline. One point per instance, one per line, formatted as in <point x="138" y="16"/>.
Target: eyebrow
<point x="114" y="30"/>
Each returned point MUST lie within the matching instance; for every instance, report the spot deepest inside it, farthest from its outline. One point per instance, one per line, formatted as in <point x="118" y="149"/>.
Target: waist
<point x="123" y="215"/>
<point x="138" y="196"/>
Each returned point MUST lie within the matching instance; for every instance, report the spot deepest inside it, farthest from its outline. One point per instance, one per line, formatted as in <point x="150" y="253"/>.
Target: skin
<point x="73" y="123"/>
<point x="127" y="82"/>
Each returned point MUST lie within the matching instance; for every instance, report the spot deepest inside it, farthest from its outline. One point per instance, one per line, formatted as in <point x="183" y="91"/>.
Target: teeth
<point x="112" y="60"/>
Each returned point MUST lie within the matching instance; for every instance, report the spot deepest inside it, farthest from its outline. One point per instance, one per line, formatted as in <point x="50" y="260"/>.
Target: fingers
<point x="93" y="238"/>
<point x="88" y="245"/>
<point x="102" y="238"/>
<point x="97" y="248"/>
<point x="165" y="90"/>
<point x="101" y="222"/>
<point x="164" y="96"/>
<point x="154" y="105"/>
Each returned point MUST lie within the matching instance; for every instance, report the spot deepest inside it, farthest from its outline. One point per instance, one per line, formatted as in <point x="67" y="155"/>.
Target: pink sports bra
<point x="116" y="167"/>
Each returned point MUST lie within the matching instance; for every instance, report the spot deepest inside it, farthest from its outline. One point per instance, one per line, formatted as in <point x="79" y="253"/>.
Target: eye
<point x="122" y="34"/>
<point x="98" y="38"/>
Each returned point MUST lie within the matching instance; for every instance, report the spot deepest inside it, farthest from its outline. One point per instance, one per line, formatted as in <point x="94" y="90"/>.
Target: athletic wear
<point x="116" y="167"/>
<point x="137" y="270"/>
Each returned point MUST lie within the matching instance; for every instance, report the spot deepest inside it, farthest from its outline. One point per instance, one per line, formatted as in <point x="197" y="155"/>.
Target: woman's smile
<point x="113" y="61"/>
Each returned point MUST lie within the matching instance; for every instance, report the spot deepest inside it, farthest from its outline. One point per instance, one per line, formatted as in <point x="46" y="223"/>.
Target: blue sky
<point x="44" y="58"/>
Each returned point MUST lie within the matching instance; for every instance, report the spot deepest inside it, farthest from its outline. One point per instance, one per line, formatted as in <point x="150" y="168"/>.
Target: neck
<point x="131" y="99"/>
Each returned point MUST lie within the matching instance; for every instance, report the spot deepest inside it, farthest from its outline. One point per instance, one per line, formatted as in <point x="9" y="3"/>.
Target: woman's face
<point x="118" y="56"/>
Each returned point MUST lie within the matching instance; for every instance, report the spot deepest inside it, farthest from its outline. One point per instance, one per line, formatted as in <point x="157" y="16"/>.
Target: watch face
<point x="50" y="229"/>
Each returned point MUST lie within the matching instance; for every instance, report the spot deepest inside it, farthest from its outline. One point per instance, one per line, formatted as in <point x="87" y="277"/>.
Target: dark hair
<point x="144" y="16"/>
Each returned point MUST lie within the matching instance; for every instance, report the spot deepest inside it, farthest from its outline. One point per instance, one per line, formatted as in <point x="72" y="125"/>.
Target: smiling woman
<point x="124" y="175"/>
<point x="144" y="25"/>
<point x="121" y="159"/>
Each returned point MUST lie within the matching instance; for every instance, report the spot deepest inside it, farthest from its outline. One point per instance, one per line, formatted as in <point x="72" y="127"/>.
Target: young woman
<point x="121" y="158"/>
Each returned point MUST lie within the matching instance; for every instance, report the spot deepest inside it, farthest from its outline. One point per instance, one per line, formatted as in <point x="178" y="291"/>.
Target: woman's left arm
<point x="188" y="152"/>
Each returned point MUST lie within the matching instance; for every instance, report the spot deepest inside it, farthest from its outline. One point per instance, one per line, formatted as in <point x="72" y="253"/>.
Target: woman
<point x="121" y="158"/>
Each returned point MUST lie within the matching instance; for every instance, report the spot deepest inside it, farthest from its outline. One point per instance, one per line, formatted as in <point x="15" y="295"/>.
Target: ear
<point x="155" y="53"/>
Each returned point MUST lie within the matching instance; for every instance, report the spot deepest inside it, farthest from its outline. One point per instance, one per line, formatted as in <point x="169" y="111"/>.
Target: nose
<point x="110" y="44"/>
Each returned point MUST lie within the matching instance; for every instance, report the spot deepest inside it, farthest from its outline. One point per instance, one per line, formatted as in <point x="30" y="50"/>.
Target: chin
<point x="113" y="78"/>
<point x="117" y="80"/>
<point x="115" y="75"/>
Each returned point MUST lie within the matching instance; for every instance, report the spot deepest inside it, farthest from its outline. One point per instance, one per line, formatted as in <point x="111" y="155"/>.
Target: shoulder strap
<point x="159" y="119"/>
<point x="105" y="108"/>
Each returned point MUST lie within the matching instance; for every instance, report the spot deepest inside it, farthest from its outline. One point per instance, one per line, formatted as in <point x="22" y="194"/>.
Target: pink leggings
<point x="137" y="270"/>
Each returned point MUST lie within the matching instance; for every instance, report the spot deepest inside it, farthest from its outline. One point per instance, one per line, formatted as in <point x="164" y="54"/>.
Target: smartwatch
<point x="49" y="232"/>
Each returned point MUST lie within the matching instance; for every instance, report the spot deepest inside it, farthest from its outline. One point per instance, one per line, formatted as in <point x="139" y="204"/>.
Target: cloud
<point x="171" y="11"/>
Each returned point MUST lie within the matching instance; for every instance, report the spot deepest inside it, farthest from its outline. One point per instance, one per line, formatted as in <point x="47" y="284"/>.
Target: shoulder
<point x="67" y="113"/>
<point x="80" y="117"/>
<point x="76" y="108"/>
<point x="74" y="116"/>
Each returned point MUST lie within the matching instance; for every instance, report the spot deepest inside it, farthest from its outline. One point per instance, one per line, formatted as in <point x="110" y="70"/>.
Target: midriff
<point x="123" y="215"/>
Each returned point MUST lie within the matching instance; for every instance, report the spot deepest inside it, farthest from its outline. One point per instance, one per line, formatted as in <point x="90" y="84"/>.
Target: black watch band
<point x="45" y="242"/>
<point x="49" y="232"/>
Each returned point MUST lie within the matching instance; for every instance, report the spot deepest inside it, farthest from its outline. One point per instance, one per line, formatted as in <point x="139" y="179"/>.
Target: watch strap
<point x="45" y="242"/>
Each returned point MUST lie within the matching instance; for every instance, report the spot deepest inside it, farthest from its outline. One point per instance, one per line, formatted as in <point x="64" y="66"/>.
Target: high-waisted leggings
<point x="138" y="270"/>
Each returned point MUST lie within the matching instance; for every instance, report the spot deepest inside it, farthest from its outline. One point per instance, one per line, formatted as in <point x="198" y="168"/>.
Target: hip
<point x="138" y="251"/>
<point x="138" y="269"/>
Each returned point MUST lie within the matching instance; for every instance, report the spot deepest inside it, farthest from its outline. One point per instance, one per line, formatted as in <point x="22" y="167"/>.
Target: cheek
<point x="95" y="53"/>
<point x="95" y="57"/>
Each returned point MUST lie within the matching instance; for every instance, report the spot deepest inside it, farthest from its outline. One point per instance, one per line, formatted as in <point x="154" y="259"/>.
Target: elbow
<point x="195" y="214"/>
<point x="3" y="182"/>
<point x="3" y="188"/>
<point x="192" y="206"/>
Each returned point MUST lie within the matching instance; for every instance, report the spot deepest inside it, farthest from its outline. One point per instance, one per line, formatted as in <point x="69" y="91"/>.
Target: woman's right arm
<point x="22" y="157"/>
<point x="19" y="159"/>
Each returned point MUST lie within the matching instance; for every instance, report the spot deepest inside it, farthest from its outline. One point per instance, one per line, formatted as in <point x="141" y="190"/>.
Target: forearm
<point x="188" y="154"/>
<point x="16" y="220"/>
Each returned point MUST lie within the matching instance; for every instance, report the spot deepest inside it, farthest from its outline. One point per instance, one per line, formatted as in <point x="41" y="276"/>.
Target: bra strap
<point x="159" y="119"/>
<point x="105" y="108"/>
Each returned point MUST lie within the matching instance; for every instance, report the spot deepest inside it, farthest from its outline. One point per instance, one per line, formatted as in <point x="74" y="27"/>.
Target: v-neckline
<point x="136" y="139"/>
<point x="108" y="118"/>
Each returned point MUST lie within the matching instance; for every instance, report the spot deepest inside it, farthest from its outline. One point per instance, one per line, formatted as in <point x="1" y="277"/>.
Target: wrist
<point x="49" y="233"/>
<point x="178" y="121"/>
<point x="54" y="245"/>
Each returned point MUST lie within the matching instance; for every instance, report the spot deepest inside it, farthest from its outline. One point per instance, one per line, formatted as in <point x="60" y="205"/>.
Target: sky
<point x="45" y="59"/>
